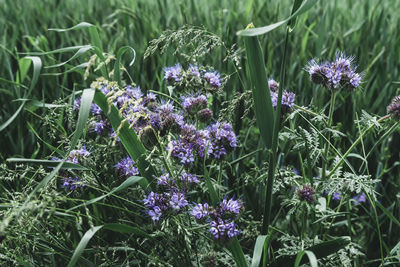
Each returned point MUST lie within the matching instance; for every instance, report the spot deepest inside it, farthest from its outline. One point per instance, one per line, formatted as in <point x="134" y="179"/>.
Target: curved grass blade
<point x="78" y="53"/>
<point x="258" y="249"/>
<point x="37" y="66"/>
<point x="82" y="244"/>
<point x="121" y="51"/>
<point x="128" y="182"/>
<point x="49" y="163"/>
<point x="263" y="30"/>
<point x="128" y="137"/>
<point x="79" y="26"/>
<point x="311" y="258"/>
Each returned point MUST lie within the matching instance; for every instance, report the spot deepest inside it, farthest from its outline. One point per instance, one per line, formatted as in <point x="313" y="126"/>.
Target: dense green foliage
<point x="44" y="224"/>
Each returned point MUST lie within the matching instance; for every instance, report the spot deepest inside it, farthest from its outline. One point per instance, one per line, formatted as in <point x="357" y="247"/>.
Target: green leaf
<point x="258" y="249"/>
<point x="81" y="51"/>
<point x="121" y="51"/>
<point x="259" y="86"/>
<point x="296" y="5"/>
<point x="24" y="65"/>
<point x="48" y="163"/>
<point x="82" y="245"/>
<point x="263" y="30"/>
<point x="237" y="253"/>
<point x="128" y="137"/>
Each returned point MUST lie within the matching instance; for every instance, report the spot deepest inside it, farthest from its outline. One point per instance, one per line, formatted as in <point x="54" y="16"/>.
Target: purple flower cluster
<point x="394" y="108"/>
<point x="360" y="198"/>
<point x="192" y="104"/>
<point x="177" y="75"/>
<point x="78" y="155"/>
<point x="218" y="139"/>
<point x="127" y="167"/>
<point x="273" y="85"/>
<point x="287" y="100"/>
<point x="221" y="219"/>
<point x="172" y="197"/>
<point x="222" y="139"/>
<point x="306" y="194"/>
<point x="173" y="74"/>
<point x="72" y="183"/>
<point x="335" y="75"/>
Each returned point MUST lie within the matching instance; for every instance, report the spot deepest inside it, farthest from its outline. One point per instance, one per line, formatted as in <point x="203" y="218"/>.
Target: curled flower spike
<point x="394" y="108"/>
<point x="273" y="85"/>
<point x="287" y="101"/>
<point x="173" y="74"/>
<point x="127" y="167"/>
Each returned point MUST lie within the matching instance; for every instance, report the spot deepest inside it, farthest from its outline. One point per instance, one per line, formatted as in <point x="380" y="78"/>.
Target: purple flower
<point x="287" y="101"/>
<point x="336" y="196"/>
<point x="189" y="178"/>
<point x="178" y="201"/>
<point x="394" y="108"/>
<point x="165" y="180"/>
<point x="95" y="109"/>
<point x="230" y="205"/>
<point x="205" y="115"/>
<point x="99" y="126"/>
<point x="200" y="211"/>
<point x="77" y="155"/>
<point x="273" y="85"/>
<point x="340" y="73"/>
<point x="173" y="74"/>
<point x="193" y="104"/>
<point x="134" y="92"/>
<point x="127" y="167"/>
<point x="77" y="103"/>
<point x="213" y="78"/>
<point x="306" y="193"/>
<point x="360" y="198"/>
<point x="221" y="229"/>
<point x="155" y="214"/>
<point x="222" y="139"/>
<point x="194" y="71"/>
<point x="72" y="183"/>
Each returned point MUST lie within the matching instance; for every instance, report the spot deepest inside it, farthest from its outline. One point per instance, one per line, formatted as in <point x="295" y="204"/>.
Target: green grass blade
<point x="128" y="182"/>
<point x="78" y="53"/>
<point x="263" y="30"/>
<point x="82" y="245"/>
<point x="37" y="66"/>
<point x="128" y="137"/>
<point x="237" y="253"/>
<point x="120" y="53"/>
<point x="125" y="229"/>
<point x="49" y="163"/>
<point x="311" y="258"/>
<point x="259" y="86"/>
<point x="79" y="26"/>
<point x="258" y="249"/>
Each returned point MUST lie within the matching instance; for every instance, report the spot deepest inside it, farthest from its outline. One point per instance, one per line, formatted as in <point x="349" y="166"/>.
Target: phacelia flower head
<point x="273" y="85"/>
<point x="173" y="74"/>
<point x="360" y="198"/>
<point x="127" y="167"/>
<point x="222" y="139"/>
<point x="72" y="183"/>
<point x="339" y="74"/>
<point x="194" y="71"/>
<point x="213" y="78"/>
<point x="205" y="115"/>
<point x="200" y="211"/>
<point x="306" y="193"/>
<point x="394" y="108"/>
<point x="288" y="99"/>
<point x="221" y="229"/>
<point x="193" y="104"/>
<point x="99" y="126"/>
<point x="231" y="205"/>
<point x="77" y="155"/>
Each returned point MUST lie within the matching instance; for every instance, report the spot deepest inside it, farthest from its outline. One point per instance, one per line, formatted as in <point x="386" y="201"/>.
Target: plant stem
<point x="342" y="159"/>
<point x="326" y="149"/>
<point x="274" y="148"/>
